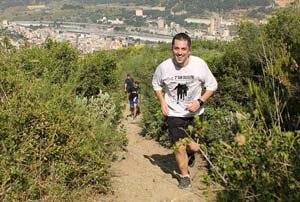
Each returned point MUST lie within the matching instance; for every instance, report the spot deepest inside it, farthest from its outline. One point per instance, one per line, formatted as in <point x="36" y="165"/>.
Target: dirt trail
<point x="145" y="172"/>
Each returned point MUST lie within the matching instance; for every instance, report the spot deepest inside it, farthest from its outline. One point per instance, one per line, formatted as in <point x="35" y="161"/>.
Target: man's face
<point x="181" y="52"/>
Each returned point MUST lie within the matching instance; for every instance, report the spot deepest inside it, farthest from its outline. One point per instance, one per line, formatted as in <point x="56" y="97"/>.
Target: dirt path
<point x="145" y="172"/>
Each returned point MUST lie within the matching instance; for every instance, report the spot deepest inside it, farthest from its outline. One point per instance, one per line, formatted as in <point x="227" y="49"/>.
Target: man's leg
<point x="181" y="156"/>
<point x="134" y="110"/>
<point x="182" y="163"/>
<point x="191" y="149"/>
<point x="131" y="107"/>
<point x="135" y="101"/>
<point x="137" y="110"/>
<point x="129" y="101"/>
<point x="136" y="107"/>
<point x="176" y="129"/>
<point x="191" y="158"/>
<point x="182" y="159"/>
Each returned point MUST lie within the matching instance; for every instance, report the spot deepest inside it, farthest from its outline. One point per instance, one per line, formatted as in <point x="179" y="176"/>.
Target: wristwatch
<point x="201" y="102"/>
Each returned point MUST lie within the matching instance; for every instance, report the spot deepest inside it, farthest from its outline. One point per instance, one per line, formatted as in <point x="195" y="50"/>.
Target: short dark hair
<point x="182" y="36"/>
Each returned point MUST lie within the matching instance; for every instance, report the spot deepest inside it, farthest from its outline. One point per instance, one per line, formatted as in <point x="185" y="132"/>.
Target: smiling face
<point x="181" y="52"/>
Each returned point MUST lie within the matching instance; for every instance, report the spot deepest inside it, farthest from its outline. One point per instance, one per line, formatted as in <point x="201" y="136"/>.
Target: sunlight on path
<point x="145" y="172"/>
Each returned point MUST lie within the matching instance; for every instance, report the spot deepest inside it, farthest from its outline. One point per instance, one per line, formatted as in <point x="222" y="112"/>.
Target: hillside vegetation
<point x="60" y="112"/>
<point x="191" y="4"/>
<point x="58" y="120"/>
<point x="93" y="10"/>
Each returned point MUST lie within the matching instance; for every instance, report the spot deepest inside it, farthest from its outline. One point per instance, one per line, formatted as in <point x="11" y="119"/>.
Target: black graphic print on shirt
<point x="182" y="90"/>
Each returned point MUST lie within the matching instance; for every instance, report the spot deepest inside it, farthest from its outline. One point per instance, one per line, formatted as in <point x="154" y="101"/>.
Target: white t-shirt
<point x="182" y="84"/>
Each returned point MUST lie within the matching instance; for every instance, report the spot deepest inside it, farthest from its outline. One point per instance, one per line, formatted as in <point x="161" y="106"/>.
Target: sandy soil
<point x="145" y="172"/>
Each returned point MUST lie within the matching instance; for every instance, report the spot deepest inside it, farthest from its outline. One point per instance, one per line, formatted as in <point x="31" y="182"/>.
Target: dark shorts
<point x="134" y="102"/>
<point x="177" y="127"/>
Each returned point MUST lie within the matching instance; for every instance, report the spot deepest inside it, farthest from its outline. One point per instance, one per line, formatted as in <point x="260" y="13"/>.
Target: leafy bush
<point x="258" y="164"/>
<point x="53" y="143"/>
<point x="49" y="140"/>
<point x="96" y="71"/>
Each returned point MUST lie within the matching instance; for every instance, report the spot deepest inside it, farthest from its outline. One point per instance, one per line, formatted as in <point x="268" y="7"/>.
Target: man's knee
<point x="180" y="148"/>
<point x="194" y="147"/>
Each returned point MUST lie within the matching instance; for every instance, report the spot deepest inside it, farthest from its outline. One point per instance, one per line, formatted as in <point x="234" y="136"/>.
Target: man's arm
<point x="211" y="86"/>
<point x="206" y="95"/>
<point x="163" y="105"/>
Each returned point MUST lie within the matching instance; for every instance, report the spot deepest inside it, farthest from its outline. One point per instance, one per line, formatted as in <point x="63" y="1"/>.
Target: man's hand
<point x="163" y="104"/>
<point x="193" y="105"/>
<point x="164" y="109"/>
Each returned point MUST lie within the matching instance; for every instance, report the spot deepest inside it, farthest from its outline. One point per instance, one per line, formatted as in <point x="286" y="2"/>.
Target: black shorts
<point x="177" y="127"/>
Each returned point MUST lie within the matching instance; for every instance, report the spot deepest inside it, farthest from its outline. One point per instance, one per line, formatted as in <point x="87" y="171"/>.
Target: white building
<point x="116" y="22"/>
<point x="215" y="25"/>
<point x="5" y="23"/>
<point x="160" y="23"/>
<point x="139" y="12"/>
<point x="198" y="21"/>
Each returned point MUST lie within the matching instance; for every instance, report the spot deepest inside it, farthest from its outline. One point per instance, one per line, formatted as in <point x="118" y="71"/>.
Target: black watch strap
<point x="201" y="102"/>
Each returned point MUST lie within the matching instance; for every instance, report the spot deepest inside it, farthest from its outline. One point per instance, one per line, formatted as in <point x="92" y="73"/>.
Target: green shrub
<point x="50" y="139"/>
<point x="52" y="143"/>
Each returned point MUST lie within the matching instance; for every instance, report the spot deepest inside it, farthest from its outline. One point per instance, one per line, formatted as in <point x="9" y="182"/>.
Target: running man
<point x="177" y="83"/>
<point x="134" y="92"/>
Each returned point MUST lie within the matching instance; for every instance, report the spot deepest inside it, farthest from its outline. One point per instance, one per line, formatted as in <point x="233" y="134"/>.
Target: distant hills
<point x="187" y="5"/>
